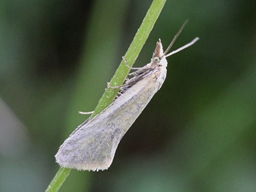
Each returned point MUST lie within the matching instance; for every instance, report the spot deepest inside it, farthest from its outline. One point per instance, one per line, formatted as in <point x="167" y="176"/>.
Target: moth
<point x="93" y="144"/>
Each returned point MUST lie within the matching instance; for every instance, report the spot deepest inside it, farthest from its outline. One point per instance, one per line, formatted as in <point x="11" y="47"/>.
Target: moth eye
<point x="156" y="59"/>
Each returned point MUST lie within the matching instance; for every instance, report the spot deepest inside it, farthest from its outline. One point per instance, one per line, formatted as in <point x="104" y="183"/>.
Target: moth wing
<point x="92" y="145"/>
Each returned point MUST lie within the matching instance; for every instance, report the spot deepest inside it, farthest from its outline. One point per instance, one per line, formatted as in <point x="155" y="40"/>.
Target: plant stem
<point x="119" y="76"/>
<point x="131" y="54"/>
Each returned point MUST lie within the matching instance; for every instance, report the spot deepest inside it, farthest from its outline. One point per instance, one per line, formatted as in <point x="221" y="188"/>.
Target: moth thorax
<point x="163" y="62"/>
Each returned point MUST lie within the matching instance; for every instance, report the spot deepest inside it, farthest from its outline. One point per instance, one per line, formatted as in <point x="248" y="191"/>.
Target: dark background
<point x="198" y="132"/>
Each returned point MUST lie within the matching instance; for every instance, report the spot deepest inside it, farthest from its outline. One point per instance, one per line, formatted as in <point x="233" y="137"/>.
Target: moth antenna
<point x="183" y="47"/>
<point x="175" y="37"/>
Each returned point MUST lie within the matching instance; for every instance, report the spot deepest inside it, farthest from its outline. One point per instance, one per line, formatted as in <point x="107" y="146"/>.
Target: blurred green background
<point x="198" y="132"/>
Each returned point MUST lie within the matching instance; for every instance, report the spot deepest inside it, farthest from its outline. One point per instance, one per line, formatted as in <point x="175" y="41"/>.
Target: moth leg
<point x="126" y="64"/>
<point x="85" y="113"/>
<point x="113" y="87"/>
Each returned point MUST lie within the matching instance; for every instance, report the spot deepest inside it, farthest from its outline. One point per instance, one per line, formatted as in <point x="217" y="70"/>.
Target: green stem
<point x="131" y="54"/>
<point x="119" y="76"/>
<point x="58" y="180"/>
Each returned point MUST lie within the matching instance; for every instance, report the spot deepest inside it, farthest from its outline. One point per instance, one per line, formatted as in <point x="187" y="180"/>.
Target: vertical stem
<point x="119" y="76"/>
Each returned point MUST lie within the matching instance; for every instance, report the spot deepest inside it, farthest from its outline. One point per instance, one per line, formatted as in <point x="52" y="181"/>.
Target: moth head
<point x="159" y="56"/>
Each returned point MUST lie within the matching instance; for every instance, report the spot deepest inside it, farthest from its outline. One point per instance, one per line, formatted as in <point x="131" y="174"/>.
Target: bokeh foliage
<point x="198" y="132"/>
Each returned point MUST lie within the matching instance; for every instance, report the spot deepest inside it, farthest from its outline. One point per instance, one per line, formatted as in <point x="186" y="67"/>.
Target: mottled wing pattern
<point x="93" y="145"/>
